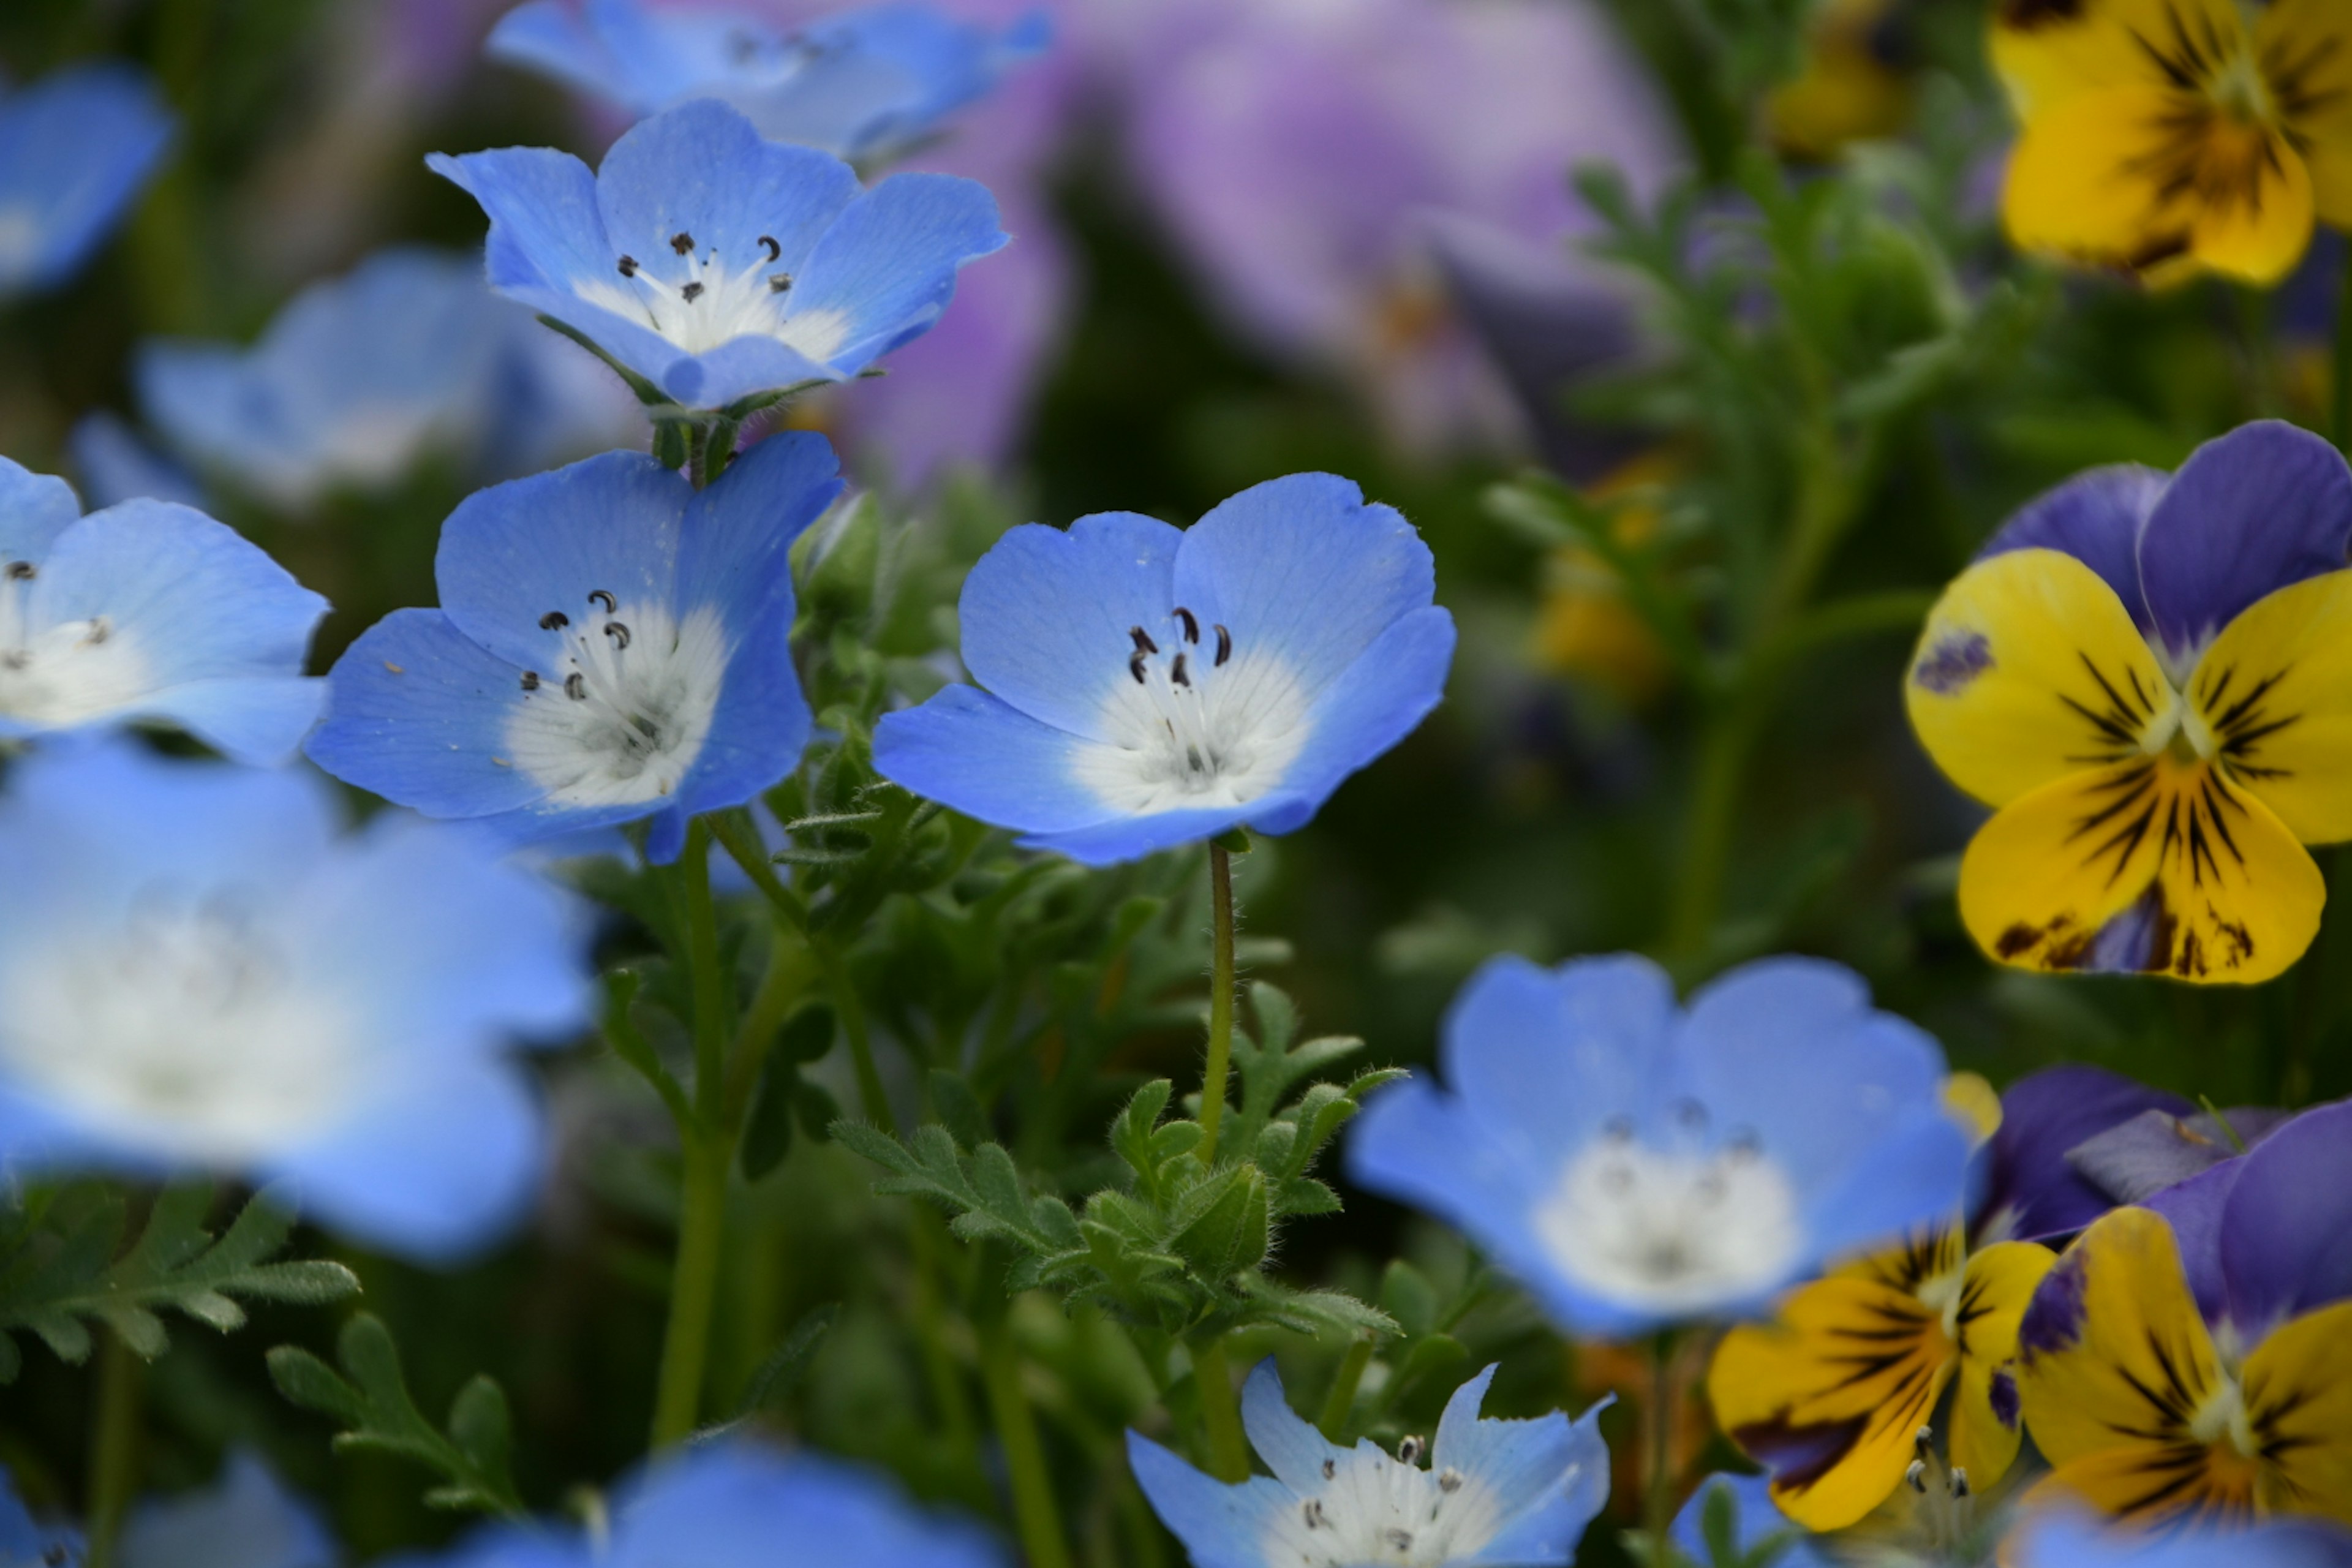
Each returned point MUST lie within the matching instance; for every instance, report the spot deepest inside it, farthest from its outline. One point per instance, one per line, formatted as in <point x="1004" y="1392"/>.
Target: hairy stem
<point x="1340" y="1403"/>
<point x="852" y="1013"/>
<point x="1221" y="998"/>
<point x="1035" y="1515"/>
<point x="1221" y="1411"/>
<point x="113" y="1443"/>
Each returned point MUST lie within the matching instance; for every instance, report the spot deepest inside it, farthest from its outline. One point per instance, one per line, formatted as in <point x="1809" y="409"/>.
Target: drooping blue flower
<point x="1636" y="1164"/>
<point x="859" y="84"/>
<point x="2062" y="1538"/>
<point x="363" y="376"/>
<point x="612" y="644"/>
<point x="1755" y="1519"/>
<point x="246" y="1518"/>
<point x="1149" y="686"/>
<point x="148" y="612"/>
<point x="719" y="266"/>
<point x="205" y="974"/>
<point x="1494" y="1492"/>
<point x="733" y="1503"/>
<point x="75" y="147"/>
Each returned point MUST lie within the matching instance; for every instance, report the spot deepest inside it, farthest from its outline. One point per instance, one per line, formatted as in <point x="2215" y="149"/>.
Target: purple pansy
<point x="2028" y="1190"/>
<point x="2268" y="1236"/>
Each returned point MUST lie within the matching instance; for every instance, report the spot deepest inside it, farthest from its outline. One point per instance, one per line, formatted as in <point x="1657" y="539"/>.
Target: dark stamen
<point x="553" y="619"/>
<point x="1176" y="672"/>
<point x="776" y="251"/>
<point x="1143" y="643"/>
<point x="691" y="292"/>
<point x="1313" y="1513"/>
<point x="1450" y="1480"/>
<point x="1409" y="1451"/>
<point x="681" y="242"/>
<point x="100" y="628"/>
<point x="1191" y="626"/>
<point x="779" y="281"/>
<point x="1400" y="1538"/>
<point x="530" y="680"/>
<point x="576" y="687"/>
<point x="618" y="633"/>
<point x="1331" y="1468"/>
<point x="21" y="571"/>
<point x="1225" y="645"/>
<point x="628" y="267"/>
<point x="1135" y="667"/>
<point x="601" y="597"/>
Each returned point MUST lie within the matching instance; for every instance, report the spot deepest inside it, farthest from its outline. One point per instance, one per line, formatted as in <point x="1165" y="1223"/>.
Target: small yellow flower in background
<point x="2170" y="136"/>
<point x="1584" y="626"/>
<point x="1849" y="89"/>
<point x="2150" y="678"/>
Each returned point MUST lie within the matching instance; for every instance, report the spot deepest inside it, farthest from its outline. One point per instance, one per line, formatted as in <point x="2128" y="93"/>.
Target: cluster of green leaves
<point x="63" y="1267"/>
<point x="1178" y="1245"/>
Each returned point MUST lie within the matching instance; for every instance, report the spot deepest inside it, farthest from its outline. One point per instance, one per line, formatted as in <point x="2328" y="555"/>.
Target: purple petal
<point x="2195" y="1211"/>
<point x="2286" y="1234"/>
<point x="2030" y="1189"/>
<point x="2134" y="1161"/>
<point x="2095" y="517"/>
<point x="2250" y="513"/>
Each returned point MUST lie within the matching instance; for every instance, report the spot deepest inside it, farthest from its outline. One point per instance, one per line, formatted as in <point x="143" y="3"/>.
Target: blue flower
<point x="115" y="464"/>
<point x="75" y="147"/>
<point x="859" y="84"/>
<point x="729" y="1503"/>
<point x="147" y="611"/>
<point x="1636" y="1164"/>
<point x="1755" y="1519"/>
<point x="1517" y="1492"/>
<point x="1149" y="685"/>
<point x="247" y="1519"/>
<point x="204" y="974"/>
<point x="718" y="266"/>
<point x="612" y="644"/>
<point x="363" y="376"/>
<point x="25" y="1541"/>
<point x="2062" y="1539"/>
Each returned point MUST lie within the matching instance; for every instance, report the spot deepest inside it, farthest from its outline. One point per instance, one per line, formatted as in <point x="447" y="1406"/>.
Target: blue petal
<point x="739" y="368"/>
<point x="34" y="510"/>
<point x="417" y="713"/>
<point x="116" y="465"/>
<point x="1912" y="1175"/>
<point x="888" y="268"/>
<point x="730" y="1501"/>
<point x="23" y="1542"/>
<point x="515" y="553"/>
<point x="546" y="230"/>
<point x="1221" y="1526"/>
<point x="2095" y="517"/>
<point x="1131" y="838"/>
<point x="1549" y="1476"/>
<point x="1290" y="1446"/>
<point x="1756" y="1517"/>
<point x="2287" y="1239"/>
<point x="75" y="147"/>
<point x="739" y="533"/>
<point x="1545" y="1058"/>
<point x="445" y="1161"/>
<point x="1376" y="702"/>
<point x="987" y="758"/>
<point x="2249" y="513"/>
<point x="757" y="731"/>
<point x="551" y="36"/>
<point x="1046" y="614"/>
<point x="1791" y="1049"/>
<point x="247" y="1518"/>
<point x="1302" y="568"/>
<point x="258" y="720"/>
<point x="884" y="76"/>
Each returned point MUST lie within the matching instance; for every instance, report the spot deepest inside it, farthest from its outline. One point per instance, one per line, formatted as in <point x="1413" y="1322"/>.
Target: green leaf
<point x="1226" y="1232"/>
<point x="370" y="1402"/>
<point x="778" y="1375"/>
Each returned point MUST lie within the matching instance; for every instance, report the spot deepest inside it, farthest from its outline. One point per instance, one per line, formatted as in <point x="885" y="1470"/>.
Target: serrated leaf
<point x="778" y="1374"/>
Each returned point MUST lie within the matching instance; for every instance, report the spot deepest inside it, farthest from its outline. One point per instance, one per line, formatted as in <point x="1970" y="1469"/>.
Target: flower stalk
<point x="114" y="1444"/>
<point x="1221" y="999"/>
<point x="1220" y="1411"/>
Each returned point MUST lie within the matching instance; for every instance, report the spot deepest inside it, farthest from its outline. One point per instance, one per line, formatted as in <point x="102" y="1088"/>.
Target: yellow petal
<point x="2160" y="183"/>
<point x="2275" y="695"/>
<point x="1831" y="1393"/>
<point x="2180" y="1484"/>
<point x="2304" y="47"/>
<point x="2115" y="1357"/>
<point x="2212" y="886"/>
<point x="2000" y="1280"/>
<point x="2029" y="670"/>
<point x="2048" y="51"/>
<point x="1974" y="1103"/>
<point x="2299" y="1385"/>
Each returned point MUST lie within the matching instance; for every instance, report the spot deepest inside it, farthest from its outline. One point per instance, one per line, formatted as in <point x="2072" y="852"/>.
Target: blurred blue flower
<point x="25" y="1541"/>
<point x="247" y="1519"/>
<point x="733" y="1503"/>
<point x="1496" y="1491"/>
<point x="363" y="376"/>
<point x="858" y="84"/>
<point x="2064" y="1538"/>
<point x="612" y="644"/>
<point x="75" y="147"/>
<point x="148" y="611"/>
<point x="1636" y="1164"/>
<point x="719" y="266"/>
<point x="204" y="974"/>
<point x="1755" y="1519"/>
<point x="1149" y="685"/>
<point x="115" y="465"/>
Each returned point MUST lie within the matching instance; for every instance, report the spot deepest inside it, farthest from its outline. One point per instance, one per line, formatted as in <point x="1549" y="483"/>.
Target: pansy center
<point x="2222" y="1417"/>
<point x="1374" y="1511"/>
<point x="618" y="712"/>
<point x="1676" y="1228"/>
<point x="1195" y="718"/>
<point x="699" y="297"/>
<point x="61" y="673"/>
<point x="183" y="1022"/>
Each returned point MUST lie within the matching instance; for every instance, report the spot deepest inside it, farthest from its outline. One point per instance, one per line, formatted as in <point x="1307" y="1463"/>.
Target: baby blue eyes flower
<point x="147" y="611"/>
<point x="732" y="1503"/>
<point x="612" y="644"/>
<point x="75" y="147"/>
<point x="205" y="974"/>
<point x="1636" y="1164"/>
<point x="718" y="266"/>
<point x="1149" y="685"/>
<point x="858" y="84"/>
<point x="247" y="1519"/>
<point x="361" y="377"/>
<point x="2064" y="1538"/>
<point x="1517" y="1492"/>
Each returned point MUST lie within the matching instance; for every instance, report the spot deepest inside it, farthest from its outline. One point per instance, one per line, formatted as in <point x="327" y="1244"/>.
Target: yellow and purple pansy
<point x="2167" y="138"/>
<point x="2191" y="1362"/>
<point x="2150" y="678"/>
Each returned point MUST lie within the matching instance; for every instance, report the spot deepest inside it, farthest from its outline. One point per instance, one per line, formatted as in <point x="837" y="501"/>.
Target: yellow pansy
<point x="1849" y="89"/>
<point x="1584" y="626"/>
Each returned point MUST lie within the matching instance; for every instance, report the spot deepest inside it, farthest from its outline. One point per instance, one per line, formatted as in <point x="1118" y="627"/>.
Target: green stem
<point x="113" y="1444"/>
<point x="1220" y="1411"/>
<point x="1221" y="1000"/>
<point x="1340" y="1403"/>
<point x="1658" y="1505"/>
<point x="1708" y="823"/>
<point x="852" y="1013"/>
<point x="2339" y="423"/>
<point x="1035" y="1513"/>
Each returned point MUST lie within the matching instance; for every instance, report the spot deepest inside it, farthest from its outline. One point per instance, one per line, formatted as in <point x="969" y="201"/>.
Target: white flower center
<point x="1373" y="1511"/>
<point x="65" y="672"/>
<point x="623" y="717"/>
<point x="181" y="1026"/>
<point x="700" y="299"/>
<point x="1672" y="1230"/>
<point x="1203" y="725"/>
